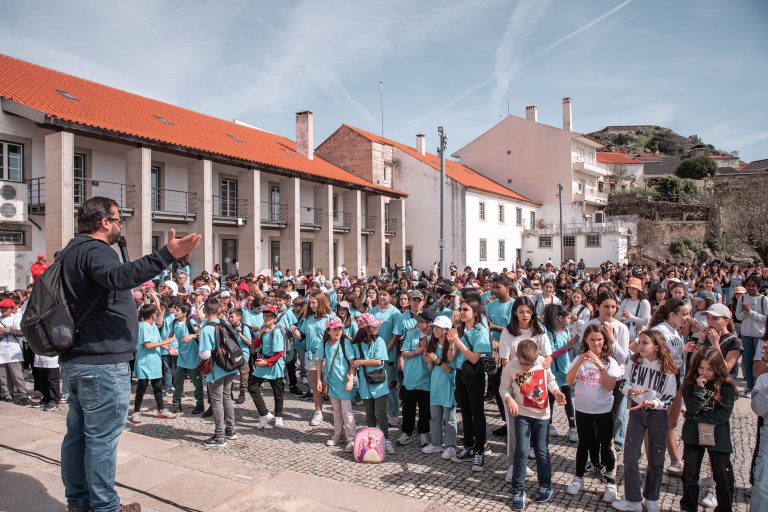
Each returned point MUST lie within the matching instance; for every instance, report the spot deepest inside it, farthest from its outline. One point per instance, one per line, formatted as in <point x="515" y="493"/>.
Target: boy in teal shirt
<point x="244" y="338"/>
<point x="268" y="366"/>
<point x="189" y="358"/>
<point x="416" y="379"/>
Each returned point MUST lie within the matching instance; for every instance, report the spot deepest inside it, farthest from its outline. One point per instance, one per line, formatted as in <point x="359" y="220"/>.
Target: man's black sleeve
<point x="108" y="271"/>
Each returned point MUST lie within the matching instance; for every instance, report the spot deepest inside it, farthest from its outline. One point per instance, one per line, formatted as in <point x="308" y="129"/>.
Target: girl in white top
<point x="546" y="298"/>
<point x="523" y="326"/>
<point x="635" y="310"/>
<point x="580" y="312"/>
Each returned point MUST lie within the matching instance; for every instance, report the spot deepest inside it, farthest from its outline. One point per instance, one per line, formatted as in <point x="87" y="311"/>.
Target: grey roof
<point x="757" y="165"/>
<point x="667" y="165"/>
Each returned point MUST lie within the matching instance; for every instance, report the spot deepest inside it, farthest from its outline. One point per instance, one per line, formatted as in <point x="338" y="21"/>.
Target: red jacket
<point x="37" y="268"/>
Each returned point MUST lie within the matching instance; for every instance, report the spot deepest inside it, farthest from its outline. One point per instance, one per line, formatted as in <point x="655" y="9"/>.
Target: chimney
<point x="567" y="114"/>
<point x="532" y="113"/>
<point x="421" y="144"/>
<point x="304" y="134"/>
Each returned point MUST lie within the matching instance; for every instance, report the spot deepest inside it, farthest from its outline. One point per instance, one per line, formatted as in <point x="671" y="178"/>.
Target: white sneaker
<point x="573" y="436"/>
<point x="552" y="430"/>
<point x="531" y="454"/>
<point x="448" y="453"/>
<point x="333" y="441"/>
<point x="652" y="506"/>
<point x="278" y="422"/>
<point x="675" y="469"/>
<point x="576" y="486"/>
<point x="709" y="500"/>
<point x="609" y="495"/>
<point x="403" y="439"/>
<point x="628" y="506"/>
<point x="393" y="421"/>
<point x="423" y="439"/>
<point x="388" y="447"/>
<point x="135" y="418"/>
<point x="317" y="419"/>
<point x="350" y="447"/>
<point x="510" y="474"/>
<point x="528" y="472"/>
<point x="430" y="449"/>
<point x="264" y="420"/>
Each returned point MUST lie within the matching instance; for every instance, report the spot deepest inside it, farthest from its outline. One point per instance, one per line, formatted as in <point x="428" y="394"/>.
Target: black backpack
<point x="47" y="323"/>
<point x="228" y="355"/>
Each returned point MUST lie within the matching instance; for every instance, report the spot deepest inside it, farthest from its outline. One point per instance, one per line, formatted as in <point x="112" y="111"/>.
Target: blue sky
<point x="696" y="66"/>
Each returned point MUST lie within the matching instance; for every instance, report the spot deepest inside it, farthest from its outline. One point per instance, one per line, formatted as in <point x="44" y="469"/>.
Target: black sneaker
<point x="465" y="454"/>
<point x="307" y="396"/>
<point x="208" y="413"/>
<point x="24" y="402"/>
<point x="501" y="431"/>
<point x="38" y="405"/>
<point x="230" y="435"/>
<point x="51" y="406"/>
<point x="295" y="390"/>
<point x="198" y="409"/>
<point x="215" y="442"/>
<point x="478" y="462"/>
<point x="240" y="400"/>
<point x="175" y="408"/>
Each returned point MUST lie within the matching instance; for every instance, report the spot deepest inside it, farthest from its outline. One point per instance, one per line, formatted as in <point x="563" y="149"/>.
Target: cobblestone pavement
<point x="408" y="472"/>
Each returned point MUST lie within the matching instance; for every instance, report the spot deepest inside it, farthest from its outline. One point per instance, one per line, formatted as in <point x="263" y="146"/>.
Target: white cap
<point x="719" y="310"/>
<point x="443" y="322"/>
<point x="173" y="286"/>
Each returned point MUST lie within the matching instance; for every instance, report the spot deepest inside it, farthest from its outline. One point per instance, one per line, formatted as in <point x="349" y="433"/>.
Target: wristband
<point x="439" y="362"/>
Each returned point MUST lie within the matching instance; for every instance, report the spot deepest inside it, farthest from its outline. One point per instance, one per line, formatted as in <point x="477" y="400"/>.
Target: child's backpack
<point x="369" y="445"/>
<point x="228" y="355"/>
<point x="289" y="351"/>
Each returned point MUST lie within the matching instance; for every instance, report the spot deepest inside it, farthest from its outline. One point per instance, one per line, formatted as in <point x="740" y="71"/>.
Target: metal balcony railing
<point x="615" y="226"/>
<point x="342" y="221"/>
<point x="310" y="217"/>
<point x="36" y="195"/>
<point x="273" y="214"/>
<point x="169" y="204"/>
<point x="230" y="207"/>
<point x="82" y="189"/>
<point x="367" y="224"/>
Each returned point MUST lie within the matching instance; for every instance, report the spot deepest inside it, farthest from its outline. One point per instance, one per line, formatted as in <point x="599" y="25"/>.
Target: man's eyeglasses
<point x="119" y="220"/>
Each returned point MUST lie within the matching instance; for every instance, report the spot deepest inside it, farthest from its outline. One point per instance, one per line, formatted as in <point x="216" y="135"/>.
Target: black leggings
<point x="157" y="390"/>
<point x="254" y="389"/>
<point x="470" y="398"/>
<point x="568" y="406"/>
<point x="595" y="432"/>
<point x="494" y="381"/>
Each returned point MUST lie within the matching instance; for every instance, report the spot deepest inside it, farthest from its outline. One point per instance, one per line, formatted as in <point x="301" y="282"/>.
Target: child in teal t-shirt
<point x="186" y="330"/>
<point x="440" y="356"/>
<point x="269" y="366"/>
<point x="416" y="379"/>
<point x="149" y="363"/>
<point x="337" y="379"/>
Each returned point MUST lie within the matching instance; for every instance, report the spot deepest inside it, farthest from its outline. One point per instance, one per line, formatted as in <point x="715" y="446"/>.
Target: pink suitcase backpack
<point x="369" y="445"/>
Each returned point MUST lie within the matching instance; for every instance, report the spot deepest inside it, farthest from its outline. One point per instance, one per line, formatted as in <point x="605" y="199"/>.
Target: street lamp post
<point x="441" y="152"/>
<point x="562" y="228"/>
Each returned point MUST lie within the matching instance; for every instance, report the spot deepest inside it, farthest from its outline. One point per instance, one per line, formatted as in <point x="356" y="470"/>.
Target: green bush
<point x="677" y="247"/>
<point x="677" y="190"/>
<point x="697" y="168"/>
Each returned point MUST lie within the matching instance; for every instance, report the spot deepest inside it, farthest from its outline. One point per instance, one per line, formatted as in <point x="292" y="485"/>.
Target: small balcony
<point x="589" y="169"/>
<point x="273" y="215"/>
<point x="342" y="222"/>
<point x="367" y="224"/>
<point x="586" y="228"/>
<point x="173" y="205"/>
<point x="390" y="226"/>
<point x="229" y="211"/>
<point x="311" y="219"/>
<point x="82" y="189"/>
<point x="591" y="196"/>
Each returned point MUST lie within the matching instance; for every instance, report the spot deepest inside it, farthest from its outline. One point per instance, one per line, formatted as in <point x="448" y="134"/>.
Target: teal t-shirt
<point x="351" y="331"/>
<point x="208" y="342"/>
<point x="336" y="367"/>
<point x="333" y="298"/>
<point x="149" y="363"/>
<point x="476" y="340"/>
<point x="561" y="364"/>
<point x="313" y="330"/>
<point x="442" y="385"/>
<point x="167" y="329"/>
<point x="247" y="333"/>
<point x="189" y="352"/>
<point x="388" y="318"/>
<point x="252" y="320"/>
<point x="272" y="342"/>
<point x="375" y="350"/>
<point x="500" y="314"/>
<point x="415" y="375"/>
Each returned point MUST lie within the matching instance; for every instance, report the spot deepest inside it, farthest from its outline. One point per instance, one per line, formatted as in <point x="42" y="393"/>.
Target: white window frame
<point x="12" y="237"/>
<point x="545" y="242"/>
<point x="4" y="160"/>
<point x="483" y="249"/>
<point x="593" y="237"/>
<point x="519" y="216"/>
<point x="481" y="210"/>
<point x="502" y="250"/>
<point x="501" y="214"/>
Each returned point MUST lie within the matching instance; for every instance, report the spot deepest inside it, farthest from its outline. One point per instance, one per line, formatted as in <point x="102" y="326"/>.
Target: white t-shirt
<point x="621" y="343"/>
<point x="508" y="343"/>
<point x="674" y="341"/>
<point x="589" y="394"/>
<point x="10" y="345"/>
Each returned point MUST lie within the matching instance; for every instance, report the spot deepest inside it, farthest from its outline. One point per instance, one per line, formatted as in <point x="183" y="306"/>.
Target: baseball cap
<point x="7" y="303"/>
<point x="705" y="295"/>
<point x="417" y="295"/>
<point x="427" y="316"/>
<point x="343" y="304"/>
<point x="333" y="322"/>
<point x="41" y="256"/>
<point x="173" y="286"/>
<point x="443" y="322"/>
<point x="444" y="289"/>
<point x="713" y="310"/>
<point x="739" y="289"/>
<point x="367" y="320"/>
<point x="272" y="310"/>
<point x="226" y="293"/>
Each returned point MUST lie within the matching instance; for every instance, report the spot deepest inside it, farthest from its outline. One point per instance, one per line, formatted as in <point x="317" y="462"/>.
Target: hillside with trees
<point x="651" y="139"/>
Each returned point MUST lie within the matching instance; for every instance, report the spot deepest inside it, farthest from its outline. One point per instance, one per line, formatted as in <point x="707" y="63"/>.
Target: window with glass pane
<point x="545" y="241"/>
<point x="502" y="250"/>
<point x="533" y="220"/>
<point x="519" y="216"/>
<point x="11" y="238"/>
<point x="483" y="249"/>
<point x="228" y="197"/>
<point x="155" y="187"/>
<point x="593" y="240"/>
<point x="306" y="256"/>
<point x="482" y="211"/>
<point x="501" y="213"/>
<point x="12" y="161"/>
<point x="274" y="203"/>
<point x="274" y="253"/>
<point x="79" y="171"/>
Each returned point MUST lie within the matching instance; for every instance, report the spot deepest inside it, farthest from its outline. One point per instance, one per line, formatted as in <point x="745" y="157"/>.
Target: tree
<point x="619" y="174"/>
<point x="697" y="168"/>
<point x="676" y="190"/>
<point x="743" y="212"/>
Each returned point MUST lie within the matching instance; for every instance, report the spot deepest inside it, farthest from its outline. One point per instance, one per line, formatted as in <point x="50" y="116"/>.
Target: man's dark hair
<point x="92" y="211"/>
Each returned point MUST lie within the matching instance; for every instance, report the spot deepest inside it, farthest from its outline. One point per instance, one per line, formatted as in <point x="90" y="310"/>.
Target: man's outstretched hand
<point x="182" y="246"/>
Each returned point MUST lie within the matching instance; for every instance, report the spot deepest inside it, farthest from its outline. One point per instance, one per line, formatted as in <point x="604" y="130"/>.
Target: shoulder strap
<point x="637" y="311"/>
<point x="762" y="304"/>
<point x="581" y="310"/>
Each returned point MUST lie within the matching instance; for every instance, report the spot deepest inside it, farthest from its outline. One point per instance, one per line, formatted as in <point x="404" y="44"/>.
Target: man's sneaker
<point x="333" y="441"/>
<point x="64" y="398"/>
<point x="430" y="449"/>
<point x="651" y="506"/>
<point x="388" y="447"/>
<point x="208" y="413"/>
<point x="576" y="486"/>
<point x="265" y="420"/>
<point x="38" y="405"/>
<point x="393" y="421"/>
<point x="51" y="406"/>
<point x="135" y="418"/>
<point x="317" y="419"/>
<point x="295" y="390"/>
<point x="215" y="442"/>
<point x="230" y="435"/>
<point x="403" y="439"/>
<point x="501" y="431"/>
<point x="628" y="506"/>
<point x="709" y="500"/>
<point x="573" y="436"/>
<point x="449" y="453"/>
<point x="24" y="402"/>
<point x="423" y="439"/>
<point x="544" y="495"/>
<point x="609" y="495"/>
<point x="198" y="409"/>
<point x="464" y="455"/>
<point x="165" y="415"/>
<point x="350" y="447"/>
<point x="675" y="469"/>
<point x="175" y="408"/>
<point x="518" y="501"/>
<point x="278" y="422"/>
<point x="478" y="462"/>
<point x="131" y="507"/>
<point x="510" y="474"/>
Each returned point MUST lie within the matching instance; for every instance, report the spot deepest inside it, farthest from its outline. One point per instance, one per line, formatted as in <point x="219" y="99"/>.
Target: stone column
<point x="397" y="242"/>
<point x="138" y="228"/>
<point x="200" y="181"/>
<point x="322" y="247"/>
<point x="250" y="234"/>
<point x="290" y="239"/>
<point x="354" y="239"/>
<point x="59" y="191"/>
<point x="376" y="240"/>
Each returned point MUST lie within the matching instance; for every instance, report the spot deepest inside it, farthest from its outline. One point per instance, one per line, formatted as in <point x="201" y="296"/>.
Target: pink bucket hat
<point x="367" y="320"/>
<point x="333" y="322"/>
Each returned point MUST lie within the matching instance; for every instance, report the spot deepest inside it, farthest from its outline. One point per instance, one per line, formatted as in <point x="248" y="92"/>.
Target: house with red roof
<point x="536" y="159"/>
<point x="257" y="198"/>
<point x="622" y="163"/>
<point x="484" y="219"/>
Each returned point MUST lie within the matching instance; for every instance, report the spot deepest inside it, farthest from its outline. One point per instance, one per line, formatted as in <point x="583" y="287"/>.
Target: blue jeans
<point x="750" y="344"/>
<point x="619" y="419"/>
<point x="442" y="425"/>
<point x="169" y="369"/>
<point x="98" y="407"/>
<point x="527" y="429"/>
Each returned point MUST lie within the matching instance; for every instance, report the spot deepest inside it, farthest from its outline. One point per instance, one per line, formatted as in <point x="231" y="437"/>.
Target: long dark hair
<point x="363" y="336"/>
<point x="602" y="297"/>
<point x="514" y="327"/>
<point x="715" y="360"/>
<point x="433" y="341"/>
<point x="477" y="311"/>
<point x="552" y="312"/>
<point x="607" y="350"/>
<point x="670" y="306"/>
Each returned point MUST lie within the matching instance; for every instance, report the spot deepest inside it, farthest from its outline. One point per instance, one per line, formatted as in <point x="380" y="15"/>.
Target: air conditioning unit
<point x="599" y="217"/>
<point x="13" y="201"/>
<point x="240" y="221"/>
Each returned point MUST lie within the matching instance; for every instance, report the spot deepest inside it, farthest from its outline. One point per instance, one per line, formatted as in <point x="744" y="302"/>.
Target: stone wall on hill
<point x="665" y="232"/>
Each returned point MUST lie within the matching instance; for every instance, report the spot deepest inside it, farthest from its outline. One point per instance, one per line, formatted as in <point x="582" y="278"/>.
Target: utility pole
<point x="562" y="228"/>
<point x="441" y="152"/>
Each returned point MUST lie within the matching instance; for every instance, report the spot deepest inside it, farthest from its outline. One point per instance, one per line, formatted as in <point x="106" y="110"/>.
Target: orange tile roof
<point x="608" y="157"/>
<point x="454" y="170"/>
<point x="120" y="112"/>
